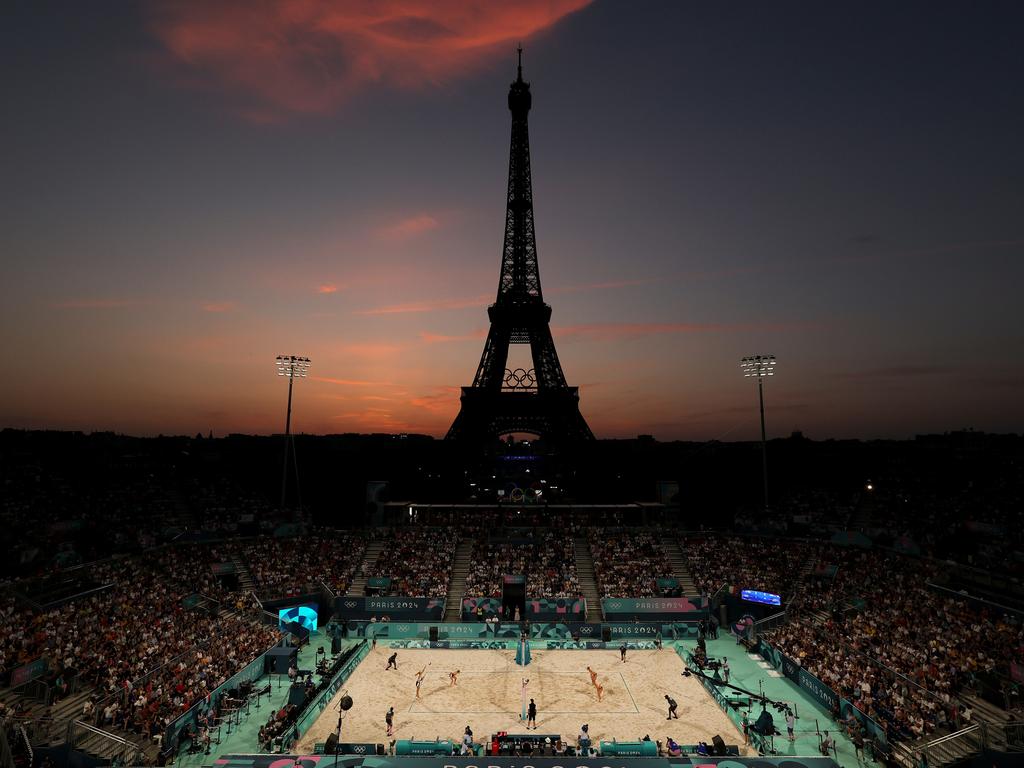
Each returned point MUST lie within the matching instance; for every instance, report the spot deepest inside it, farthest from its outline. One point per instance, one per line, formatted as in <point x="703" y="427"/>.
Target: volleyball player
<point x="392" y="663"/>
<point x="671" y="707"/>
<point x="419" y="680"/>
<point x="454" y="677"/>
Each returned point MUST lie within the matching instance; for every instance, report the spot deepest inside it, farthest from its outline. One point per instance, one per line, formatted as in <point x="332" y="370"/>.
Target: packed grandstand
<point x="136" y="624"/>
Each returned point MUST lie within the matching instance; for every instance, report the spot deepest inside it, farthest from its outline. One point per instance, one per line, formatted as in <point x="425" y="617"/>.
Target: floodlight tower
<point x="293" y="367"/>
<point x="760" y="367"/>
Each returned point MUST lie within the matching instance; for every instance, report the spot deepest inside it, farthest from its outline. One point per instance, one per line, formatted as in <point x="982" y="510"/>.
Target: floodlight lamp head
<point x="758" y="366"/>
<point x="292" y="366"/>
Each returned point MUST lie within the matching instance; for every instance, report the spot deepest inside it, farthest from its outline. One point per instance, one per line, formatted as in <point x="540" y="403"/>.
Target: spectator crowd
<point x="627" y="562"/>
<point x="417" y="560"/>
<point x="546" y="557"/>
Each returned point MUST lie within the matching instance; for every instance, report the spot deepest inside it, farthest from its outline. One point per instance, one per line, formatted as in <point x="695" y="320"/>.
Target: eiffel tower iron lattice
<point x="536" y="401"/>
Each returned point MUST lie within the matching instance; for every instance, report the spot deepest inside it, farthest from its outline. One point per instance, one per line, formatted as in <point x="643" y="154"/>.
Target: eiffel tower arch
<point x="536" y="400"/>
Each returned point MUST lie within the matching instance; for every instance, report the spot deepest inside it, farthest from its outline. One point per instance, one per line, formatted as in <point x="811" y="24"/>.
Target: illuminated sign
<point x="753" y="596"/>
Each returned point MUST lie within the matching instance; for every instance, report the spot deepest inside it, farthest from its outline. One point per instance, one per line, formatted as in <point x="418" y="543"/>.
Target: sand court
<point x="487" y="697"/>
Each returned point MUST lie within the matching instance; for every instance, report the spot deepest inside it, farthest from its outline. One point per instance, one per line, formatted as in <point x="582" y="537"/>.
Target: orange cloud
<point x="483" y="301"/>
<point x="327" y="288"/>
<point x="444" y="400"/>
<point x="371" y="350"/>
<point x="283" y="57"/>
<point x="350" y="382"/>
<point x="410" y="227"/>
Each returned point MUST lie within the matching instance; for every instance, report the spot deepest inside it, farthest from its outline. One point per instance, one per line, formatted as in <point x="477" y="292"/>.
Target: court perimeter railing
<point x="317" y="707"/>
<point x="768" y="622"/>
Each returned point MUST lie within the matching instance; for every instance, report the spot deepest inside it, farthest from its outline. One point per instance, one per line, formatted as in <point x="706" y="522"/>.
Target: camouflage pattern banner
<point x="565" y="631"/>
<point x="489" y="606"/>
<point x="460" y="644"/>
<point x="537" y="608"/>
<point x="555" y="608"/>
<point x="403" y="630"/>
<point x="568" y="631"/>
<point x="492" y="761"/>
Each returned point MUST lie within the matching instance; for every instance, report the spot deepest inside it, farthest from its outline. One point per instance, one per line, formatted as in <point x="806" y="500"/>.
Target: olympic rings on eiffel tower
<point x="520" y="378"/>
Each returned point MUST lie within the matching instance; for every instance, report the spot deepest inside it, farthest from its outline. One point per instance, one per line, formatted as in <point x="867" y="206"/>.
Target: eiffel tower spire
<point x="538" y="400"/>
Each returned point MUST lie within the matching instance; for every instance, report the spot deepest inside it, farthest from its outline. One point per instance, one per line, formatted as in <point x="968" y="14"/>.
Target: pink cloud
<point x="483" y="301"/>
<point x="280" y="57"/>
<point x="414" y="225"/>
<point x="438" y="338"/>
<point x="327" y="288"/>
<point x="426" y="306"/>
<point x="443" y="400"/>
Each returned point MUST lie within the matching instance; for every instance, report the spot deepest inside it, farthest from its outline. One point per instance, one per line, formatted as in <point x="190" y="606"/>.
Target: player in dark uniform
<point x="671" y="707"/>
<point x="531" y="715"/>
<point x="389" y="718"/>
<point x="622" y="652"/>
<point x="392" y="663"/>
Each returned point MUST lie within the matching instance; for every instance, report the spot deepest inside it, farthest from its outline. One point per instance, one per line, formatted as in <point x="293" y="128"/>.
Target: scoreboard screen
<point x="754" y="596"/>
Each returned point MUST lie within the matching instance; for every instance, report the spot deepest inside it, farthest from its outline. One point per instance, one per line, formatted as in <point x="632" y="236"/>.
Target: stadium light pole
<point x="292" y="367"/>
<point x="760" y="367"/>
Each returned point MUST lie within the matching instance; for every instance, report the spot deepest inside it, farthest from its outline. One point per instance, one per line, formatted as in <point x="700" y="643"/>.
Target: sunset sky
<point x="189" y="189"/>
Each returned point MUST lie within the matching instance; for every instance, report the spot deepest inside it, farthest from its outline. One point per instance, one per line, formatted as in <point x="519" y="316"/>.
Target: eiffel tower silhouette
<point x="537" y="400"/>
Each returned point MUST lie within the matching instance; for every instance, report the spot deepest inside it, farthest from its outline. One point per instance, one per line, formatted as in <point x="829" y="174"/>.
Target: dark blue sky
<point x="191" y="189"/>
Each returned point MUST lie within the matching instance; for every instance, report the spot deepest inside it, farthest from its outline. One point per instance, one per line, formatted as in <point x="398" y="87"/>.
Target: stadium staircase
<point x="994" y="719"/>
<point x="677" y="559"/>
<point x="358" y="586"/>
<point x="10" y="698"/>
<point x="587" y="579"/>
<point x="114" y="743"/>
<point x="245" y="580"/>
<point x="51" y="727"/>
<point x="457" y="584"/>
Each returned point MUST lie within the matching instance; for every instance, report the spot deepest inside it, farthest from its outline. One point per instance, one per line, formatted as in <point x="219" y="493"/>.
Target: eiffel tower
<point x="536" y="400"/>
